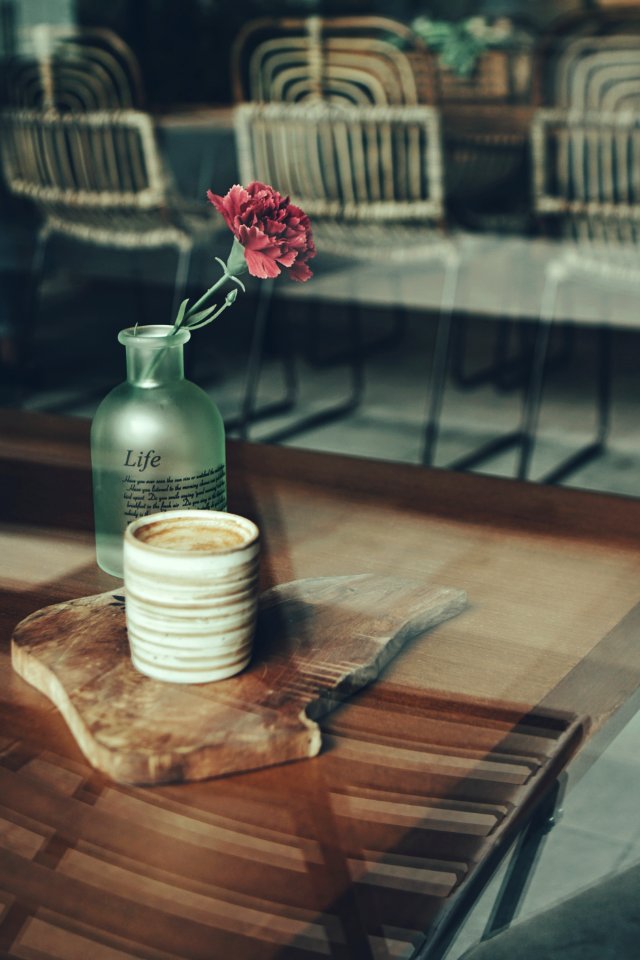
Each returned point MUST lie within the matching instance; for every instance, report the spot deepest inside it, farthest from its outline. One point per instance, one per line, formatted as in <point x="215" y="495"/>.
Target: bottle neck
<point x="154" y="355"/>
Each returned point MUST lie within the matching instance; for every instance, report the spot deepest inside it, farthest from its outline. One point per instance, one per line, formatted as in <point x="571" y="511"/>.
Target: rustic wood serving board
<point x="317" y="642"/>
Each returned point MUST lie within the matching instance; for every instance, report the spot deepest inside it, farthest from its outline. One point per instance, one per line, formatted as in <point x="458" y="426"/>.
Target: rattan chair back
<point x="564" y="52"/>
<point x="361" y="60"/>
<point x="71" y="69"/>
<point x="600" y="73"/>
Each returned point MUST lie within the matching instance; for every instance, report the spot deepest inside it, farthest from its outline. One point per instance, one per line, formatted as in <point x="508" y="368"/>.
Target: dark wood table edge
<point x="62" y="443"/>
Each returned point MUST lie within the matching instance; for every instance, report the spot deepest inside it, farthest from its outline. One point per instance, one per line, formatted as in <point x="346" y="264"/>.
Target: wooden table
<point x="368" y="849"/>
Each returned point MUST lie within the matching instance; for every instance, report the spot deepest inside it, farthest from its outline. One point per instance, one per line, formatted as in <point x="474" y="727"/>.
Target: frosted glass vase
<point x="157" y="442"/>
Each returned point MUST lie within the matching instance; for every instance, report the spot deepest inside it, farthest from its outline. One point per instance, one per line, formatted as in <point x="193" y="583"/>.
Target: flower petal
<point x="231" y="205"/>
<point x="300" y="271"/>
<point x="260" y="252"/>
<point x="261" y="265"/>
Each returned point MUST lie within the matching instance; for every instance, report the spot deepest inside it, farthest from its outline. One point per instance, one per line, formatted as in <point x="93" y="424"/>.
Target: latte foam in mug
<point x="191" y="594"/>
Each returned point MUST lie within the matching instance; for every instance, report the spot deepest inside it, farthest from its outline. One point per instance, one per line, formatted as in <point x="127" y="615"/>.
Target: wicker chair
<point x="356" y="60"/>
<point x="96" y="177"/>
<point x="68" y="68"/>
<point x="586" y="160"/>
<point x="348" y="60"/>
<point x="371" y="180"/>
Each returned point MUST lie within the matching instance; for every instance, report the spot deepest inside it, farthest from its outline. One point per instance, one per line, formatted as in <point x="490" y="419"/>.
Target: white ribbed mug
<point x="191" y="594"/>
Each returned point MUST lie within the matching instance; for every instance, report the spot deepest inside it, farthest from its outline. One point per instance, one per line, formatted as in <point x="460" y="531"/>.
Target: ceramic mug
<point x="191" y="594"/>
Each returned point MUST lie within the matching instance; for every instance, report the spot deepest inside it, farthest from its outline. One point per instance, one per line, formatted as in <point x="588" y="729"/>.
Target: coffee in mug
<point x="191" y="593"/>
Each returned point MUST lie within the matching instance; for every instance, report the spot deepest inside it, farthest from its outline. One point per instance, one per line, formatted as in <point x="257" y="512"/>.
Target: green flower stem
<point x="201" y="317"/>
<point x="205" y="296"/>
<point x="229" y="300"/>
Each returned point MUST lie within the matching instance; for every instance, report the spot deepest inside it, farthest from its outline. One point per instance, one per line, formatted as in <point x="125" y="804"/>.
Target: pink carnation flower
<point x="274" y="232"/>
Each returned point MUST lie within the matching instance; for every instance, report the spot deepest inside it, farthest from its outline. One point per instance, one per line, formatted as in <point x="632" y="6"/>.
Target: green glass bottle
<point x="157" y="442"/>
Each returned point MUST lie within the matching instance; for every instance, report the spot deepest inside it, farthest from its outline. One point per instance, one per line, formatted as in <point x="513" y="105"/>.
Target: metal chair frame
<point x="524" y="856"/>
<point x="583" y="179"/>
<point x="371" y="179"/>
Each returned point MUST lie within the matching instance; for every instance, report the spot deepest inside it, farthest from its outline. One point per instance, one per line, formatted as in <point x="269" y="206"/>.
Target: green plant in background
<point x="461" y="44"/>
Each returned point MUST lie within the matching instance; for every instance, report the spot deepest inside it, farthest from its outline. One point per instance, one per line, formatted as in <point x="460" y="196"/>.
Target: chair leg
<point x="523" y="861"/>
<point x="289" y="369"/>
<point x="289" y="375"/>
<point x="533" y="398"/>
<point x="603" y="410"/>
<point x="522" y="857"/>
<point x="386" y="341"/>
<point x="524" y="436"/>
<point x="533" y="390"/>
<point x="604" y="384"/>
<point x="502" y="371"/>
<point x="250" y="411"/>
<point x="516" y="377"/>
<point x="332" y="412"/>
<point x="508" y="370"/>
<point x="254" y="363"/>
<point x="440" y="362"/>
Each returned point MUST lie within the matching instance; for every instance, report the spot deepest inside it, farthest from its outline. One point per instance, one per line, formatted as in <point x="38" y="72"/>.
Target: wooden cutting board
<point x="317" y="642"/>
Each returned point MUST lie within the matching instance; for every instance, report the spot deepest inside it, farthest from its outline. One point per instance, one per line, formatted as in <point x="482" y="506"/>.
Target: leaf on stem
<point x="200" y="315"/>
<point x="180" y="316"/>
